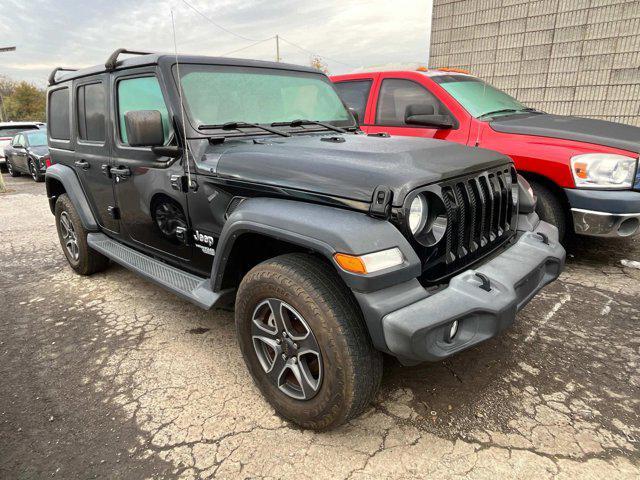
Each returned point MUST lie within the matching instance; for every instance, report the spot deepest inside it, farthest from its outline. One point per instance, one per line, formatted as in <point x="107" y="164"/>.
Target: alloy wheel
<point x="9" y="168"/>
<point x="69" y="236"/>
<point x="32" y="171"/>
<point x="287" y="349"/>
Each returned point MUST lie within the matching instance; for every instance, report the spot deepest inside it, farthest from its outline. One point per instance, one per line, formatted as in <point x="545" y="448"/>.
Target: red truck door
<point x="393" y="92"/>
<point x="356" y="93"/>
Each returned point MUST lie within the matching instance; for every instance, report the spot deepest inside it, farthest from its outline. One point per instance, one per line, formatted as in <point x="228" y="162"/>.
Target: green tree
<point x="25" y="102"/>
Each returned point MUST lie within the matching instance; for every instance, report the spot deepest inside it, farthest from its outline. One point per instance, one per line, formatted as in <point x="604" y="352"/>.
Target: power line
<point x="220" y="26"/>
<point x="259" y="41"/>
<point x="314" y="53"/>
<point x="248" y="46"/>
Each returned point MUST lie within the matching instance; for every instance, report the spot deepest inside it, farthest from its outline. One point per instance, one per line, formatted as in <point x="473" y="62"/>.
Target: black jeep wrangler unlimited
<point x="223" y="178"/>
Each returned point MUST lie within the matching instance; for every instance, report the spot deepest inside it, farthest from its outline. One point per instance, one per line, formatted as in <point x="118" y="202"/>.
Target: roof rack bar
<point x="52" y="75"/>
<point x="110" y="64"/>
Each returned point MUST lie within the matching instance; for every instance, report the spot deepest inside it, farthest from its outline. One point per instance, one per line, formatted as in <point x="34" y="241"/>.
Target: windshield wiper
<point x="238" y="125"/>
<point x="504" y="110"/>
<point x="300" y="122"/>
<point x="510" y="110"/>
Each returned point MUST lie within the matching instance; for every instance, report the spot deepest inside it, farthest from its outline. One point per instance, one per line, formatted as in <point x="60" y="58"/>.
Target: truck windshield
<point x="478" y="97"/>
<point x="217" y="94"/>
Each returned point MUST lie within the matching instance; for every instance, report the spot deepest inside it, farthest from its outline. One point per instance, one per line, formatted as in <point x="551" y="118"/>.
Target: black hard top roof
<point x="143" y="59"/>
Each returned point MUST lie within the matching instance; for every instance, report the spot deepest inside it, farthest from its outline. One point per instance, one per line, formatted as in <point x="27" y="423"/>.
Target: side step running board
<point x="190" y="287"/>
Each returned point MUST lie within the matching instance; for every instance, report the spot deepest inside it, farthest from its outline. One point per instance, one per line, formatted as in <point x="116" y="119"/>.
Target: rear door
<point x="92" y="154"/>
<point x="356" y="94"/>
<point x="394" y="92"/>
<point x="153" y="209"/>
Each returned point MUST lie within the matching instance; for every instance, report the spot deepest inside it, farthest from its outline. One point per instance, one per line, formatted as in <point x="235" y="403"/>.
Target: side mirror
<point x="355" y="115"/>
<point x="144" y="128"/>
<point x="425" y="115"/>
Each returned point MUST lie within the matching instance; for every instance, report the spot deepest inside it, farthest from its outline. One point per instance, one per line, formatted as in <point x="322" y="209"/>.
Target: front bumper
<point x="605" y="213"/>
<point x="418" y="331"/>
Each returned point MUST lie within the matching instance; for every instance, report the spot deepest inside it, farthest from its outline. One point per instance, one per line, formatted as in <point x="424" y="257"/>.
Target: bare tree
<point x="319" y="64"/>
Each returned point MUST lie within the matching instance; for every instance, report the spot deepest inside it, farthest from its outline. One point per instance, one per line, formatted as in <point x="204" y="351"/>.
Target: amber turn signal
<point x="350" y="263"/>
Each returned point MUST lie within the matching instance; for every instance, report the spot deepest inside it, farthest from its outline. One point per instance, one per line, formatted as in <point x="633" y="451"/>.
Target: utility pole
<point x="4" y="49"/>
<point x="277" y="48"/>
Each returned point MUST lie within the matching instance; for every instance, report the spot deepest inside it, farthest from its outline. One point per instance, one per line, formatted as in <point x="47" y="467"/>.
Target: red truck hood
<point x="599" y="132"/>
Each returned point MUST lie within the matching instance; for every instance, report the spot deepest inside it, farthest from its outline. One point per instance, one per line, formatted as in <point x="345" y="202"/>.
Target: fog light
<point x="453" y="330"/>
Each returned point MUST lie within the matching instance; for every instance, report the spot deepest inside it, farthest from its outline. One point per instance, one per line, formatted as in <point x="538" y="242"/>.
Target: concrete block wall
<point x="571" y="57"/>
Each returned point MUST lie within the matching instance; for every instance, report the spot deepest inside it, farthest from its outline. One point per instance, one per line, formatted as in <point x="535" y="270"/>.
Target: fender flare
<point x="69" y="180"/>
<point x="325" y="230"/>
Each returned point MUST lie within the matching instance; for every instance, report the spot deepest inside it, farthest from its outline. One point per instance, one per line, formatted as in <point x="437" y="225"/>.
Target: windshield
<point x="11" y="131"/>
<point x="37" y="139"/>
<point x="219" y="94"/>
<point x="478" y="97"/>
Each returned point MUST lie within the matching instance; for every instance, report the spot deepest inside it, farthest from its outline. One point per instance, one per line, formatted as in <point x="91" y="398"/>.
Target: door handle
<point x="83" y="164"/>
<point x="122" y="172"/>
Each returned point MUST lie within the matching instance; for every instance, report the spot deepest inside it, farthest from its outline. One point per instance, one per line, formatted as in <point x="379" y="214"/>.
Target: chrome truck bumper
<point x="605" y="213"/>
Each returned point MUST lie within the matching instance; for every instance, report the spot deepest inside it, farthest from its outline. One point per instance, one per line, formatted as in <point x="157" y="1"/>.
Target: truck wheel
<point x="304" y="341"/>
<point x="73" y="239"/>
<point x="12" y="171"/>
<point x="549" y="207"/>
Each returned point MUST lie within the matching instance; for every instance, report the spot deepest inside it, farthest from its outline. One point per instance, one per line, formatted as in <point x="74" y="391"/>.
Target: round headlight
<point x="417" y="214"/>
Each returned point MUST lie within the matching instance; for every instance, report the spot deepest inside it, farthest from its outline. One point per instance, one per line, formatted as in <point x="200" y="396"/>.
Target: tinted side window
<point x="91" y="112"/>
<point x="17" y="140"/>
<point x="355" y="95"/>
<point x="59" y="124"/>
<point x="141" y="93"/>
<point x="396" y="95"/>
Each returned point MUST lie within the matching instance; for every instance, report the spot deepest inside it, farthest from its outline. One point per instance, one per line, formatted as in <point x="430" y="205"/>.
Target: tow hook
<point x="486" y="283"/>
<point x="544" y="237"/>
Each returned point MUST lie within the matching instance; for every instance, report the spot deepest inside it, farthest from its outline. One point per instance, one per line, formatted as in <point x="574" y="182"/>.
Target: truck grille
<point x="481" y="216"/>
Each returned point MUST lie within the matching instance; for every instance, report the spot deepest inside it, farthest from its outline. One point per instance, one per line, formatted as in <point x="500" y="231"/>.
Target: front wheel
<point x="549" y="207"/>
<point x="73" y="239"/>
<point x="304" y="341"/>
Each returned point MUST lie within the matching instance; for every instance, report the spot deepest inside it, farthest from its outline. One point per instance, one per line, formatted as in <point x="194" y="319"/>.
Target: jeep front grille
<point x="481" y="216"/>
<point x="480" y="211"/>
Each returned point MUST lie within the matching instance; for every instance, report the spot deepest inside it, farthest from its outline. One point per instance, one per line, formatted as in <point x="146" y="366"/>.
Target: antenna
<point x="184" y="125"/>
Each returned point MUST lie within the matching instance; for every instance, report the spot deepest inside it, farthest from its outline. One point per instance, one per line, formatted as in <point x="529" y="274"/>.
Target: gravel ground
<point x="112" y="377"/>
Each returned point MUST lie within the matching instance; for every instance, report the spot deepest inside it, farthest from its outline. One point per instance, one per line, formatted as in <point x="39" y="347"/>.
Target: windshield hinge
<point x="381" y="202"/>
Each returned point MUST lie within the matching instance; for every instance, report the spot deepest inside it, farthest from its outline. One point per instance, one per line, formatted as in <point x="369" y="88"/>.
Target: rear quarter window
<point x="58" y="115"/>
<point x="355" y="94"/>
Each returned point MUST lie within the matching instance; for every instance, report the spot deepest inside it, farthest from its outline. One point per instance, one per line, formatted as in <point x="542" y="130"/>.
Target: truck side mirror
<point x="424" y="114"/>
<point x="144" y="128"/>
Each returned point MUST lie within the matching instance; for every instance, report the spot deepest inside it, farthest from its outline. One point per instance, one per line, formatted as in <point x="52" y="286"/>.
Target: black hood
<point x="351" y="167"/>
<point x="39" y="150"/>
<point x="599" y="132"/>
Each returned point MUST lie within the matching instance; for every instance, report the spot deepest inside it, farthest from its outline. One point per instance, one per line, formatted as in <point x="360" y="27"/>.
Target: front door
<point x="92" y="157"/>
<point x="390" y="107"/>
<point x="18" y="153"/>
<point x="153" y="210"/>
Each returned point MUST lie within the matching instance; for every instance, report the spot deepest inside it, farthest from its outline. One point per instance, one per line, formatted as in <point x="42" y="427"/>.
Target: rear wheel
<point x="549" y="207"/>
<point x="304" y="342"/>
<point x="35" y="174"/>
<point x="12" y="171"/>
<point x="73" y="239"/>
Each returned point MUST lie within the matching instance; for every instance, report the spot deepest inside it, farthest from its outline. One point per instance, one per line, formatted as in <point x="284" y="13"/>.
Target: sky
<point x="347" y="34"/>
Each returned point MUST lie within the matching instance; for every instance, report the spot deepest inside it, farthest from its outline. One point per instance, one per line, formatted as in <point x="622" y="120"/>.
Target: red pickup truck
<point x="584" y="171"/>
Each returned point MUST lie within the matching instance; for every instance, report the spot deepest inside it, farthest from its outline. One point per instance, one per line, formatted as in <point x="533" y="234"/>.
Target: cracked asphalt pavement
<point x="110" y="376"/>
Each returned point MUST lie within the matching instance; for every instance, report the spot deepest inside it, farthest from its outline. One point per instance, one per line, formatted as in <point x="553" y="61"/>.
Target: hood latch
<point x="381" y="202"/>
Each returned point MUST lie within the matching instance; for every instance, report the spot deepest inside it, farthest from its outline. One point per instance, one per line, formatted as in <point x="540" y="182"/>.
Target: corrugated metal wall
<point x="572" y="57"/>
